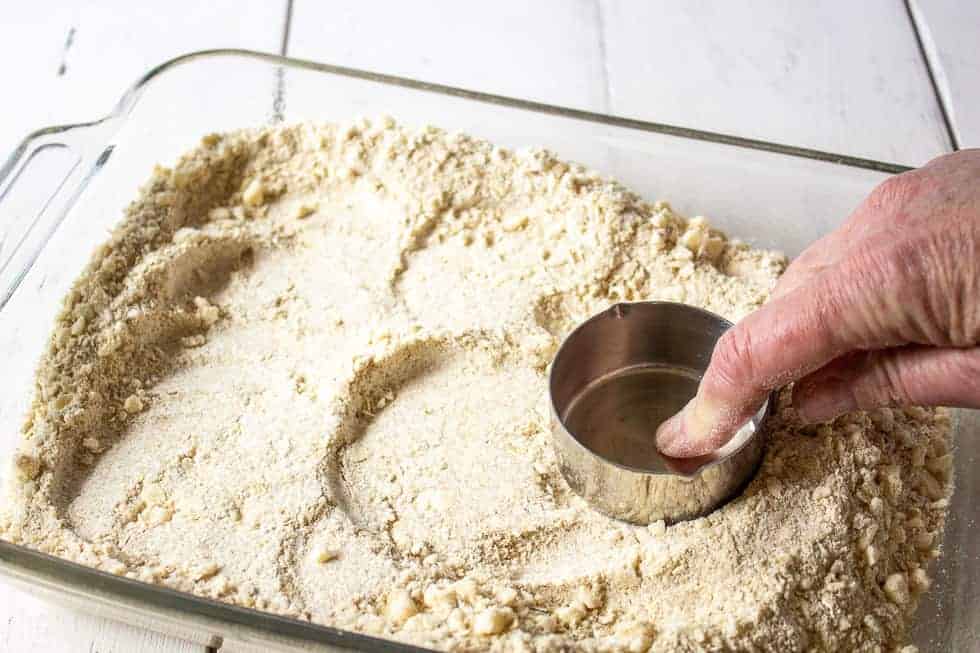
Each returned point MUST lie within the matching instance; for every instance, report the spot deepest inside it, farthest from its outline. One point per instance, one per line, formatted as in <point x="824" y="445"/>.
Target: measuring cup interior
<point x="621" y="373"/>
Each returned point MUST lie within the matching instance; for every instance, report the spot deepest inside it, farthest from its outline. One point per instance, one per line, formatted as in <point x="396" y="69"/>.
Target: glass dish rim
<point x="132" y="93"/>
<point x="62" y="135"/>
<point x="18" y="561"/>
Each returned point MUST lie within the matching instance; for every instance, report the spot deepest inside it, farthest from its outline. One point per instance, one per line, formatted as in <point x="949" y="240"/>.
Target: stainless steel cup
<point x="614" y="380"/>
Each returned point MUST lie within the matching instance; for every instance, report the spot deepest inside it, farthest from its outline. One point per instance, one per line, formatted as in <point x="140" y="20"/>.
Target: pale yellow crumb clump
<point x="133" y="404"/>
<point x="254" y="193"/>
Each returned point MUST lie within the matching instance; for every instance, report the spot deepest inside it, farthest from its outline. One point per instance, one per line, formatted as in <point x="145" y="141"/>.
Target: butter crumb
<point x="254" y="193"/>
<point x="133" y="404"/>
<point x="305" y="210"/>
<point x="400" y="606"/>
<point x="205" y="570"/>
<point x="493" y="621"/>
<point x="897" y="588"/>
<point x="326" y="555"/>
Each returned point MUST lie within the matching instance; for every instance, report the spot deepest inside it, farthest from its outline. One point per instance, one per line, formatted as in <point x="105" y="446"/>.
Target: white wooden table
<point x="883" y="79"/>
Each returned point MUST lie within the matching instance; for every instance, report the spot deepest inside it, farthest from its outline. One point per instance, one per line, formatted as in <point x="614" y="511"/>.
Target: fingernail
<point x="684" y="434"/>
<point x="670" y="435"/>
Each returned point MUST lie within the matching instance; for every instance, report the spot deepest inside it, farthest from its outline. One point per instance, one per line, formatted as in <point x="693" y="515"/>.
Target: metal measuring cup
<point x="614" y="380"/>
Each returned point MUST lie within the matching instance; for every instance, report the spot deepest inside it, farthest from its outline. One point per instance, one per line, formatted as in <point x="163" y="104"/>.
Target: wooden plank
<point x="71" y="62"/>
<point x="950" y="32"/>
<point x="544" y="50"/>
<point x="844" y="77"/>
<point x="841" y="76"/>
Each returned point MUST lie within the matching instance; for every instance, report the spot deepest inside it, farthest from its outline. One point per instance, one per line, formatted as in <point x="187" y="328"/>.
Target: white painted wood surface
<point x="30" y="625"/>
<point x="547" y="50"/>
<point x="950" y="32"/>
<point x="838" y="75"/>
<point x="71" y="61"/>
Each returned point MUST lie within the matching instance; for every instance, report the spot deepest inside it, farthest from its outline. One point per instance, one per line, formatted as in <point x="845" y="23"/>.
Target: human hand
<point x="883" y="311"/>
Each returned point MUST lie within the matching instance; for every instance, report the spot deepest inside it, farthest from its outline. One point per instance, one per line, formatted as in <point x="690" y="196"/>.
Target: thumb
<point x="869" y="301"/>
<point x="915" y="375"/>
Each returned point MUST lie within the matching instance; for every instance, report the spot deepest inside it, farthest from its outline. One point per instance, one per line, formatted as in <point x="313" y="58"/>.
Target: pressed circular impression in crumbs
<point x="306" y="374"/>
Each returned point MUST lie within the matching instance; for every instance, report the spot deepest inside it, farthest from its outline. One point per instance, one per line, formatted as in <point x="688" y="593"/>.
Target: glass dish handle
<point x="38" y="184"/>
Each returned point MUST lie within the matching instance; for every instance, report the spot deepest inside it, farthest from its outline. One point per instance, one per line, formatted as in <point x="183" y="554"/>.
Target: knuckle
<point x="953" y="280"/>
<point x="885" y="297"/>
<point x="888" y="189"/>
<point x="893" y="387"/>
<point x="732" y="361"/>
<point x="896" y="190"/>
<point x="837" y="301"/>
<point x="964" y="372"/>
<point x="888" y="382"/>
<point x="929" y="281"/>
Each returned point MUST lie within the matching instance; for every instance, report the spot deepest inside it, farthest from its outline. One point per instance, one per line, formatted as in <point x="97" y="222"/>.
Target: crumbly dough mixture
<point x="306" y="374"/>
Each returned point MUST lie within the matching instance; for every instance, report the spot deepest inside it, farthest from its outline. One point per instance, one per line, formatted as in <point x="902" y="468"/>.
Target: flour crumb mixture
<point x="306" y="374"/>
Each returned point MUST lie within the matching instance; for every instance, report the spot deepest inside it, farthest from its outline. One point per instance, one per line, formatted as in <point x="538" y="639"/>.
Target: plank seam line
<point x="603" y="57"/>
<point x="284" y="45"/>
<point x="279" y="93"/>
<point x="931" y="67"/>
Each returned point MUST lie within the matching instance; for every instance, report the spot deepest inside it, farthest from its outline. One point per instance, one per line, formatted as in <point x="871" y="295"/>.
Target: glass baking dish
<point x="63" y="187"/>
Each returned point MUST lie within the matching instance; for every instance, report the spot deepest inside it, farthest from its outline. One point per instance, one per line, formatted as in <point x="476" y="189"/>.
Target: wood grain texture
<point x="840" y="76"/>
<point x="547" y="50"/>
<point x="950" y="31"/>
<point x="70" y="62"/>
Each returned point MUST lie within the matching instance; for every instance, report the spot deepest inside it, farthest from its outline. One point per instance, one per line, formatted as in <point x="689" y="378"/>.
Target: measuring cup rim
<point x="688" y="468"/>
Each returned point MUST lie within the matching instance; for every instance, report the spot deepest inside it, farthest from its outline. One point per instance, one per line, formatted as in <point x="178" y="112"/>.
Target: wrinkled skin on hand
<point x="883" y="311"/>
